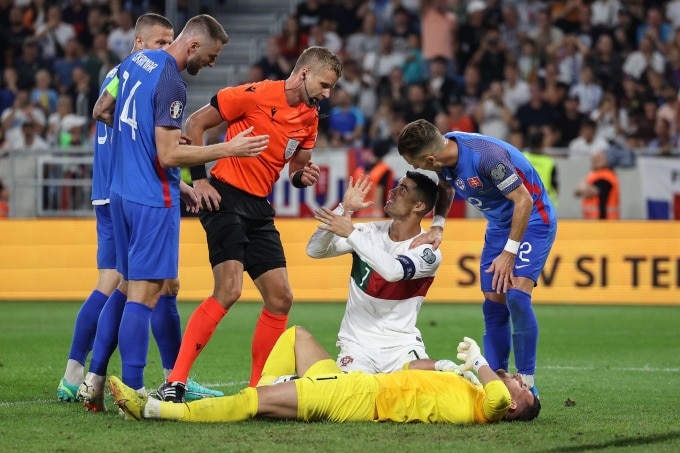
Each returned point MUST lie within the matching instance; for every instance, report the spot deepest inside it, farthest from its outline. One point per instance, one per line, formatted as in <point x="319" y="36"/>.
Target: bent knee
<point x="495" y="297"/>
<point x="170" y="287"/>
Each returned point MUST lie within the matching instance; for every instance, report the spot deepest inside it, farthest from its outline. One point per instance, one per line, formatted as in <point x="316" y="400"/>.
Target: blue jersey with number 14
<point x="101" y="167"/>
<point x="487" y="170"/>
<point x="152" y="94"/>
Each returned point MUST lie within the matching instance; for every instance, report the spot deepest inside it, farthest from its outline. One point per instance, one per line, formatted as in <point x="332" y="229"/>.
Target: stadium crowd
<point x="589" y="75"/>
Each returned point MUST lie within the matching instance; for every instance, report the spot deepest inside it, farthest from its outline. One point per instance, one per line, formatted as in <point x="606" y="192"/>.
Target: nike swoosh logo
<point x="101" y="140"/>
<point x="520" y="266"/>
<point x="448" y="178"/>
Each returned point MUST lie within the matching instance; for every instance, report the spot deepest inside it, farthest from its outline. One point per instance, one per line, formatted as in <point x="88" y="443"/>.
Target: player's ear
<point x="193" y="47"/>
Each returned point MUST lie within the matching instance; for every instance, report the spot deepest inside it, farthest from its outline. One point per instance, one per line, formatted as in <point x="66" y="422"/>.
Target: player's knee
<point x="227" y="296"/>
<point x="281" y="303"/>
<point x="170" y="287"/>
<point x="495" y="297"/>
<point x="302" y="334"/>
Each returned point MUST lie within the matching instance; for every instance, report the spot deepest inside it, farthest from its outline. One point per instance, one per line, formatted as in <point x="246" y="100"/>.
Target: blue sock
<point x="106" y="340"/>
<point x="133" y="342"/>
<point x="525" y="330"/>
<point x="167" y="330"/>
<point x="86" y="326"/>
<point x="496" y="337"/>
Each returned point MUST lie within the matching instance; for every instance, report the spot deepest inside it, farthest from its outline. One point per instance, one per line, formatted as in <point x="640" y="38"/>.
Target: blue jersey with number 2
<point x="487" y="170"/>
<point x="151" y="94"/>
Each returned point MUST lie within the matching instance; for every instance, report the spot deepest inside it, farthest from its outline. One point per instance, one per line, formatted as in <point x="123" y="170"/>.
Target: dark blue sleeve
<point x="495" y="164"/>
<point x="170" y="98"/>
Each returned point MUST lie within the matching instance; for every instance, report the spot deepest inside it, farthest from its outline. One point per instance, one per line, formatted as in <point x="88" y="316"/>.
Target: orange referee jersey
<point x="263" y="105"/>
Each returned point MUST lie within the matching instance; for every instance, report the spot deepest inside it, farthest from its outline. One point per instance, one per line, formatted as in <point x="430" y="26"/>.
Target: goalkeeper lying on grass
<point x="323" y="392"/>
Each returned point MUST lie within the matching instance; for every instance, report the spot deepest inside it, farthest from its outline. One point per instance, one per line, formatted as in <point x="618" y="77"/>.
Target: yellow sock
<point x="281" y="360"/>
<point x="241" y="406"/>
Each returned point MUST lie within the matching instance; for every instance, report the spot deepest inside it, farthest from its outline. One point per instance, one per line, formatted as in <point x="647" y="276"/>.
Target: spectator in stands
<point x="348" y="14"/>
<point x="365" y="40"/>
<point x="528" y="62"/>
<point x="564" y="14"/>
<point x="512" y="32"/>
<point x="380" y="126"/>
<point x="310" y="13"/>
<point x="606" y="62"/>
<point x="274" y="65"/>
<point x="669" y="107"/>
<point x="544" y="33"/>
<point x="536" y="112"/>
<point x="414" y="64"/>
<point x="4" y="201"/>
<point x="97" y="22"/>
<point x="673" y="13"/>
<point x="35" y="14"/>
<point x="470" y="34"/>
<point x="470" y="92"/>
<point x="656" y="28"/>
<point x="22" y="111"/>
<point x="625" y="32"/>
<point x="54" y="33"/>
<point x="588" y="91"/>
<point x="455" y="117"/>
<point x="401" y="28"/>
<point x="26" y="138"/>
<point x="569" y="54"/>
<point x="419" y="105"/>
<point x="585" y="31"/>
<point x="54" y="127"/>
<point x="643" y="120"/>
<point x="645" y="57"/>
<point x="438" y="29"/>
<point x="8" y="88"/>
<point x="14" y="36"/>
<point x="324" y="35"/>
<point x="607" y="117"/>
<point x="29" y="63"/>
<point x="83" y="92"/>
<point x="395" y="89"/>
<point x="515" y="90"/>
<point x="599" y="190"/>
<point x="292" y="41"/>
<point x="43" y="95"/>
<point x="378" y="64"/>
<point x="73" y="132"/>
<point x="64" y="66"/>
<point x="440" y="87"/>
<point x="543" y="163"/>
<point x="568" y="122"/>
<point x="99" y="59"/>
<point x="490" y="58"/>
<point x="492" y="115"/>
<point x="665" y="144"/>
<point x="345" y="122"/>
<point x="122" y="37"/>
<point x="75" y="13"/>
<point x="587" y="143"/>
<point x="605" y="13"/>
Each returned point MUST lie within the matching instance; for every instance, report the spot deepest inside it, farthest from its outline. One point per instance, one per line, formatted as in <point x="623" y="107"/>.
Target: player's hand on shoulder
<point x="432" y="236"/>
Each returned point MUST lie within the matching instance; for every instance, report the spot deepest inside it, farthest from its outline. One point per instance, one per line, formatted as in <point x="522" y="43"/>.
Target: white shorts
<point x="353" y="357"/>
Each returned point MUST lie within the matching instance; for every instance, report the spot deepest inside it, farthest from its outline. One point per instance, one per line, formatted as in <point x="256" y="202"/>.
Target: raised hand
<point x="356" y="192"/>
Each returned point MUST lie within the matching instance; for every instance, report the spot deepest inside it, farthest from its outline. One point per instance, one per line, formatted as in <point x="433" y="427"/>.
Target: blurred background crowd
<point x="570" y="78"/>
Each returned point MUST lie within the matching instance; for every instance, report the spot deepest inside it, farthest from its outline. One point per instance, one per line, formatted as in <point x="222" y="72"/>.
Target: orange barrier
<point x="624" y="262"/>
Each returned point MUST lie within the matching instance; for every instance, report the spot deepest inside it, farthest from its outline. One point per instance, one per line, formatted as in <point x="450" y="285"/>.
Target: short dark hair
<point x="426" y="189"/>
<point x="319" y="58"/>
<point x="151" y="19"/>
<point x="208" y="25"/>
<point x="417" y="136"/>
<point x="528" y="413"/>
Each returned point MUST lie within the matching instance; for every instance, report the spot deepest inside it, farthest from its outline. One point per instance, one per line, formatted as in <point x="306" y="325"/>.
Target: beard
<point x="193" y="66"/>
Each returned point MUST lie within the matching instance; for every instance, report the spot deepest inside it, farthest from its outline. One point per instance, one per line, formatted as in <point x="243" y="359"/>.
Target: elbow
<point x="313" y="252"/>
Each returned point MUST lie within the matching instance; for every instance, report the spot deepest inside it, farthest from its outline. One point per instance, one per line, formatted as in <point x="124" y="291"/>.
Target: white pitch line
<point x="644" y="369"/>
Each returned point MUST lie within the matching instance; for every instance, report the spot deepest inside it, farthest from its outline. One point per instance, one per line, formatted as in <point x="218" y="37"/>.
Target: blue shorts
<point x="106" y="246"/>
<point x="531" y="257"/>
<point x="147" y="239"/>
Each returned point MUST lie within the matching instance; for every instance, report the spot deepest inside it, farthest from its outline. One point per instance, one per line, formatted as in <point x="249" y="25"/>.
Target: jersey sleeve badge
<point x="176" y="109"/>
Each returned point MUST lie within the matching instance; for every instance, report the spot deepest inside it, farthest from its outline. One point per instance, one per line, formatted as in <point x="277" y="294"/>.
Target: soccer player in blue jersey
<point x="145" y="185"/>
<point x="152" y="31"/>
<point x="496" y="178"/>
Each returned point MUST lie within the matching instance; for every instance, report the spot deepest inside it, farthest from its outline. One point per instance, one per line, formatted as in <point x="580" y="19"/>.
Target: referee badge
<point x="176" y="109"/>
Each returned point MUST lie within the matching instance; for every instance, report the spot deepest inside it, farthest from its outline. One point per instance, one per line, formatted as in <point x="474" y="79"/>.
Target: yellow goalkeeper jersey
<point x="438" y="397"/>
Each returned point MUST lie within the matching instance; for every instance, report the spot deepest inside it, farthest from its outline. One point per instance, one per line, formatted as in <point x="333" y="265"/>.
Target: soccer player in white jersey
<point x="388" y="280"/>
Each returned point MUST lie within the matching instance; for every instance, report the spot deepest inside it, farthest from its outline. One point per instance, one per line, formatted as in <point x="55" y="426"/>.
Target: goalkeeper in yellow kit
<point x="323" y="392"/>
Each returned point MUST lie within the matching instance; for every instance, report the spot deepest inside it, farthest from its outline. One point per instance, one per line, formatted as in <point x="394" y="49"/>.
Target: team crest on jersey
<point x="498" y="173"/>
<point x="460" y="184"/>
<point x="176" y="109"/>
<point x="428" y="256"/>
<point x="346" y="360"/>
<point x="475" y="182"/>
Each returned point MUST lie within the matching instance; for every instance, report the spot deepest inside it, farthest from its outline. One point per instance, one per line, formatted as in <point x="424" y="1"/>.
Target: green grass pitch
<point x="619" y="366"/>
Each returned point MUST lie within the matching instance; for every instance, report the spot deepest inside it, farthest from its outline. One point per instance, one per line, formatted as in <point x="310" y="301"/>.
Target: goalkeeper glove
<point x="449" y="366"/>
<point x="469" y="352"/>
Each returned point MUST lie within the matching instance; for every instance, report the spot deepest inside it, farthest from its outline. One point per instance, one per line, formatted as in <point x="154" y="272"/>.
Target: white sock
<point x="528" y="379"/>
<point x="152" y="409"/>
<point x="167" y="372"/>
<point x="95" y="380"/>
<point x="74" y="372"/>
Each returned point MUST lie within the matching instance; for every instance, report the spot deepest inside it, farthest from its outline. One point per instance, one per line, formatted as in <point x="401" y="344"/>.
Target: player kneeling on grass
<point x="323" y="392"/>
